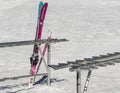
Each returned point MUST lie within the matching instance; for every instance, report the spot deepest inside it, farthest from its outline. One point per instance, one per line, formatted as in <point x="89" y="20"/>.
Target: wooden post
<point x="48" y="63"/>
<point x="78" y="76"/>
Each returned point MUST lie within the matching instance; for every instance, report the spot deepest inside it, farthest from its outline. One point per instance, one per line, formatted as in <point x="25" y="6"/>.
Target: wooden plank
<point x="18" y="77"/>
<point x="30" y="42"/>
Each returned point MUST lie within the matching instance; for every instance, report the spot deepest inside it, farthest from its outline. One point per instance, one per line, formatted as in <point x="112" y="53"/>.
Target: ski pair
<point x="35" y="56"/>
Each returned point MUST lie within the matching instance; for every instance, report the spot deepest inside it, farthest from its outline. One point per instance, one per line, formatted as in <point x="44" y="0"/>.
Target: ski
<point x="41" y="58"/>
<point x="35" y="57"/>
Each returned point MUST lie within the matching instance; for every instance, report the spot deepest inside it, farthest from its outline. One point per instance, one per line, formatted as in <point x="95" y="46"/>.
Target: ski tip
<point x="41" y="4"/>
<point x="46" y="3"/>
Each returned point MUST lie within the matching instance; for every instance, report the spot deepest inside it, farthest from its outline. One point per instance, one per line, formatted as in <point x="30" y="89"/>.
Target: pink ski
<point x="43" y="53"/>
<point x="35" y="57"/>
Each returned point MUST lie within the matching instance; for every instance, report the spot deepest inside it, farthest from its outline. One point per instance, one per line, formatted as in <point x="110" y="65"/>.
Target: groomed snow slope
<point x="92" y="26"/>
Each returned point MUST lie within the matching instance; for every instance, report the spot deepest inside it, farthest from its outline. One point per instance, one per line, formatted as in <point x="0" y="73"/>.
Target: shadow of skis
<point x="43" y="80"/>
<point x="25" y="86"/>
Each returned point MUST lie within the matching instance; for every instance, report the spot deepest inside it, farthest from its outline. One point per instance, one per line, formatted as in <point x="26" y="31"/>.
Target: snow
<point x="92" y="26"/>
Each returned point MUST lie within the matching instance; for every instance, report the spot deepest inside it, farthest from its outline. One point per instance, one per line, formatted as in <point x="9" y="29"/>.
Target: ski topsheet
<point x="35" y="57"/>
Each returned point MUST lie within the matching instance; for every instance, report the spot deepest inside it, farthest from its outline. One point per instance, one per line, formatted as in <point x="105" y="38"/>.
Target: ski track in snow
<point x="92" y="26"/>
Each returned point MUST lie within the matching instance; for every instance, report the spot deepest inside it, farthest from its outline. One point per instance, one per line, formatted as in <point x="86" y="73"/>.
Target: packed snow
<point x="92" y="26"/>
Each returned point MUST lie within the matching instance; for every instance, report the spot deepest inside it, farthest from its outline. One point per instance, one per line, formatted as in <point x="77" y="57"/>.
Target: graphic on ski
<point x="35" y="57"/>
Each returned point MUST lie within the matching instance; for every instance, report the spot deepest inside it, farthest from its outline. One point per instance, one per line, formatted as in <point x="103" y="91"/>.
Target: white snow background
<point x="92" y="26"/>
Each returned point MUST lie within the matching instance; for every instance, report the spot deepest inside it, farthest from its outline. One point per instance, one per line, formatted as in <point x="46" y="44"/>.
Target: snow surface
<point x="92" y="26"/>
